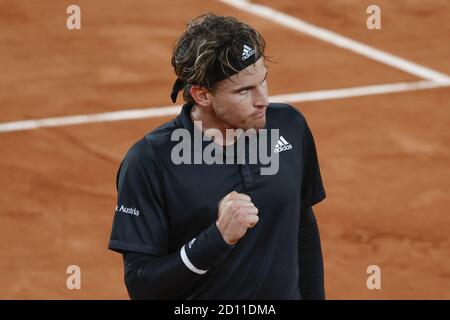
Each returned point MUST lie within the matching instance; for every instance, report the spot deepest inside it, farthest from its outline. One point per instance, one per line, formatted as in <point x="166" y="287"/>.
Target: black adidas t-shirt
<point x="163" y="206"/>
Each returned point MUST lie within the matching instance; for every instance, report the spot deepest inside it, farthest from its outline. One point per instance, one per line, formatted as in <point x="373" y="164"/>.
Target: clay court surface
<point x="384" y="158"/>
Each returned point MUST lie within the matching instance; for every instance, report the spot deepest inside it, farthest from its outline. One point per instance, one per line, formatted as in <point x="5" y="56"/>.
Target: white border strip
<point x="338" y="40"/>
<point x="188" y="263"/>
<point x="156" y="112"/>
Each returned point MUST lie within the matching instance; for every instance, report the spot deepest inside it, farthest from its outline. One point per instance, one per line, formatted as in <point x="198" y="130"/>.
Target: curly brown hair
<point x="203" y="51"/>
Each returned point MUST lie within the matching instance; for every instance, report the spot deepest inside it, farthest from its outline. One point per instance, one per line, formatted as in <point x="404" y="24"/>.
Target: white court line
<point x="175" y="110"/>
<point x="338" y="40"/>
<point x="357" y="91"/>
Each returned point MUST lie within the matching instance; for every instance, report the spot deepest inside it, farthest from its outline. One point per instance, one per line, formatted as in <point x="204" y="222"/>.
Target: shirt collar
<point x="184" y="120"/>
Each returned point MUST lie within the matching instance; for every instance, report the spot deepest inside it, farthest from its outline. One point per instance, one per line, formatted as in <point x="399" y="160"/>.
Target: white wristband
<point x="188" y="264"/>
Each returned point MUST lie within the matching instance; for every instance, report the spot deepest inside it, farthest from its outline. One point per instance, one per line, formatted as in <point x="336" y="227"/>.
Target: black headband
<point x="246" y="57"/>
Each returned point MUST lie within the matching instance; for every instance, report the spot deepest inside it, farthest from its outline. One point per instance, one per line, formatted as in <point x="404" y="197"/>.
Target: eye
<point x="243" y="92"/>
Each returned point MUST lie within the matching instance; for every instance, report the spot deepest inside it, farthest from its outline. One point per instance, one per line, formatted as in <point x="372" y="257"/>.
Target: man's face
<point x="241" y="100"/>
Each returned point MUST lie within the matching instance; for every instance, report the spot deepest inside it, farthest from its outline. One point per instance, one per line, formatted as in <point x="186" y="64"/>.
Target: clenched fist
<point x="236" y="214"/>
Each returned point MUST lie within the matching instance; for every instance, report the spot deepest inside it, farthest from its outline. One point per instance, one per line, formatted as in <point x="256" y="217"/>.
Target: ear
<point x="200" y="95"/>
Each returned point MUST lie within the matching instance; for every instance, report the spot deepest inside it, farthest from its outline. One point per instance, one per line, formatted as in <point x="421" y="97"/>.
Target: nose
<point x="260" y="97"/>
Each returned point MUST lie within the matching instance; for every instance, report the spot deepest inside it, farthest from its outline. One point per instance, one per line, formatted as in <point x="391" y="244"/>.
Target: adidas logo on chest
<point x="282" y="145"/>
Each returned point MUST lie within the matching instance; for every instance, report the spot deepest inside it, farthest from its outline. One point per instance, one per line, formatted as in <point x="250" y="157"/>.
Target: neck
<point x="210" y="121"/>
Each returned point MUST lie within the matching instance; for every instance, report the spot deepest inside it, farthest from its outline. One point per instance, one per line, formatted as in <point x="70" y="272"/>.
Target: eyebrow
<point x="249" y="87"/>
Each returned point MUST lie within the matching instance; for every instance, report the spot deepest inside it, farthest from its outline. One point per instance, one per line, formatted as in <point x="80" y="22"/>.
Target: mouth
<point x="259" y="115"/>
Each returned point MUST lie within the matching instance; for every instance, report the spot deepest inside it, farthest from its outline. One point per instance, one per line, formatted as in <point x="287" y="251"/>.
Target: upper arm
<point x="312" y="189"/>
<point x="140" y="222"/>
